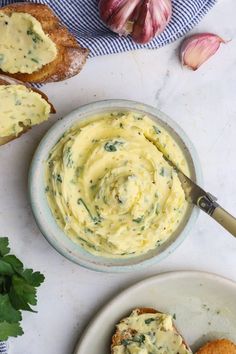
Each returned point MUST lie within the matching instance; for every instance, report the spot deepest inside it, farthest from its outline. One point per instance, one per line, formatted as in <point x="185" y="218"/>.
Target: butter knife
<point x="206" y="202"/>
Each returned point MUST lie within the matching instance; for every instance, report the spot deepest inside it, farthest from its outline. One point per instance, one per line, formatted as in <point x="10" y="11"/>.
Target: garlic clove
<point x="107" y="7"/>
<point x="143" y="29"/>
<point x="117" y="13"/>
<point x="197" y="49"/>
<point x="154" y="16"/>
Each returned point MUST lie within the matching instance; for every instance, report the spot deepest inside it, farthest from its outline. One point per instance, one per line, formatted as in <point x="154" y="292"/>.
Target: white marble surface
<point x="203" y="103"/>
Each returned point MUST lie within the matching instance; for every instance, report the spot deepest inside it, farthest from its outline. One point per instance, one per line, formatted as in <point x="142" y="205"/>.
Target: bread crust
<point x="119" y="336"/>
<point x="219" y="346"/>
<point x="5" y="80"/>
<point x="70" y="55"/>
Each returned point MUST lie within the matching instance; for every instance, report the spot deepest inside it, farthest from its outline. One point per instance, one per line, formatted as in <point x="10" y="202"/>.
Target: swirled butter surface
<point x="149" y="333"/>
<point x="24" y="47"/>
<point x="110" y="188"/>
<point x="20" y="107"/>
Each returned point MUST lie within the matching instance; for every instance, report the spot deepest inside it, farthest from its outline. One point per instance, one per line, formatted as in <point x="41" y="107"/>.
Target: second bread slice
<point x="22" y="107"/>
<point x="145" y="331"/>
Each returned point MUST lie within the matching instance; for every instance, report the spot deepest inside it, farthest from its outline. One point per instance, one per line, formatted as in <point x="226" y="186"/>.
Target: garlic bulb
<point x="197" y="49"/>
<point x="142" y="19"/>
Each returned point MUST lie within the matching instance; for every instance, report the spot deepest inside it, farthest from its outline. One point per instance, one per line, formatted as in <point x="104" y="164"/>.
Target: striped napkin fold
<point x="3" y="348"/>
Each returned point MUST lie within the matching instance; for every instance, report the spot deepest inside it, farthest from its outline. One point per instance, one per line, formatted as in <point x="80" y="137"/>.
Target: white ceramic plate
<point x="204" y="304"/>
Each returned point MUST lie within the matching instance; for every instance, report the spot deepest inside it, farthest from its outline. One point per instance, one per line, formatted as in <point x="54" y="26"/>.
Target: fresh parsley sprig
<point x="17" y="291"/>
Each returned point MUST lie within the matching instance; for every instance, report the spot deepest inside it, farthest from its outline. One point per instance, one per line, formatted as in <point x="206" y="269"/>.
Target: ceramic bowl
<point x="45" y="219"/>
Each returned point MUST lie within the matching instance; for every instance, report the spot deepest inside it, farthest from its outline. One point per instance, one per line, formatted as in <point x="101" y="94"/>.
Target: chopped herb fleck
<point x="162" y="172"/>
<point x="78" y="171"/>
<point x="95" y="219"/>
<point x="1" y="58"/>
<point x="58" y="178"/>
<point x="120" y="114"/>
<point x="138" y="117"/>
<point x="126" y="342"/>
<point x="157" y="131"/>
<point x="139" y="339"/>
<point x="34" y="60"/>
<point x="119" y="200"/>
<point x="18" y="102"/>
<point x="35" y="37"/>
<point x="111" y="146"/>
<point x="138" y="220"/>
<point x="93" y="187"/>
<point x="68" y="157"/>
<point x="149" y="320"/>
<point x="207" y="308"/>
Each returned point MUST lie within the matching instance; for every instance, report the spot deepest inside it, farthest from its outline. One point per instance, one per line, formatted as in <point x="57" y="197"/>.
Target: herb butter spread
<point x="24" y="47"/>
<point x="19" y="107"/>
<point x="149" y="334"/>
<point x="110" y="188"/>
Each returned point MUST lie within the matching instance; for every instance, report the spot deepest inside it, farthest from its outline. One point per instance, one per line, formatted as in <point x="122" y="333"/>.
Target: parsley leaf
<point x="19" y="302"/>
<point x="16" y="264"/>
<point x="8" y="312"/>
<point x="24" y="290"/>
<point x="4" y="249"/>
<point x="9" y="330"/>
<point x="5" y="268"/>
<point x="17" y="291"/>
<point x="33" y="278"/>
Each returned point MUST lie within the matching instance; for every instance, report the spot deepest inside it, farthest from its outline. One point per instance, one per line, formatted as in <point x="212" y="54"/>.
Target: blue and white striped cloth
<point x="82" y="19"/>
<point x="3" y="348"/>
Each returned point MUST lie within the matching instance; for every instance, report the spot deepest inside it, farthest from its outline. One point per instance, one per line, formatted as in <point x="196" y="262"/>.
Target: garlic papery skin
<point x="197" y="49"/>
<point x="142" y="19"/>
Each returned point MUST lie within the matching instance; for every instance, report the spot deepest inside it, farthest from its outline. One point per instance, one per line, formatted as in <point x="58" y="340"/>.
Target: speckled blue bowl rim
<point x="41" y="209"/>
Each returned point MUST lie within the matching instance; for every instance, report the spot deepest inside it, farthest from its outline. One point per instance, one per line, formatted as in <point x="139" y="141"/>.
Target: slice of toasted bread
<point x="70" y="56"/>
<point x="219" y="346"/>
<point x="120" y="336"/>
<point x="5" y="80"/>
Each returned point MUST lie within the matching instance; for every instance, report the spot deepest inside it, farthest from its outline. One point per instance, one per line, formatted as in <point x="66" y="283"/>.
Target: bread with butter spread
<point x="21" y="107"/>
<point x="35" y="47"/>
<point x="148" y="331"/>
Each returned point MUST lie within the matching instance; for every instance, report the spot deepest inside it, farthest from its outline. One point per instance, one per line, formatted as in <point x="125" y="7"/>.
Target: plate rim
<point x="165" y="275"/>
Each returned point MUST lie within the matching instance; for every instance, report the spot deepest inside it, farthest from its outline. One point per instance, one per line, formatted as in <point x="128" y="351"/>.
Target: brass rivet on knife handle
<point x="207" y="203"/>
